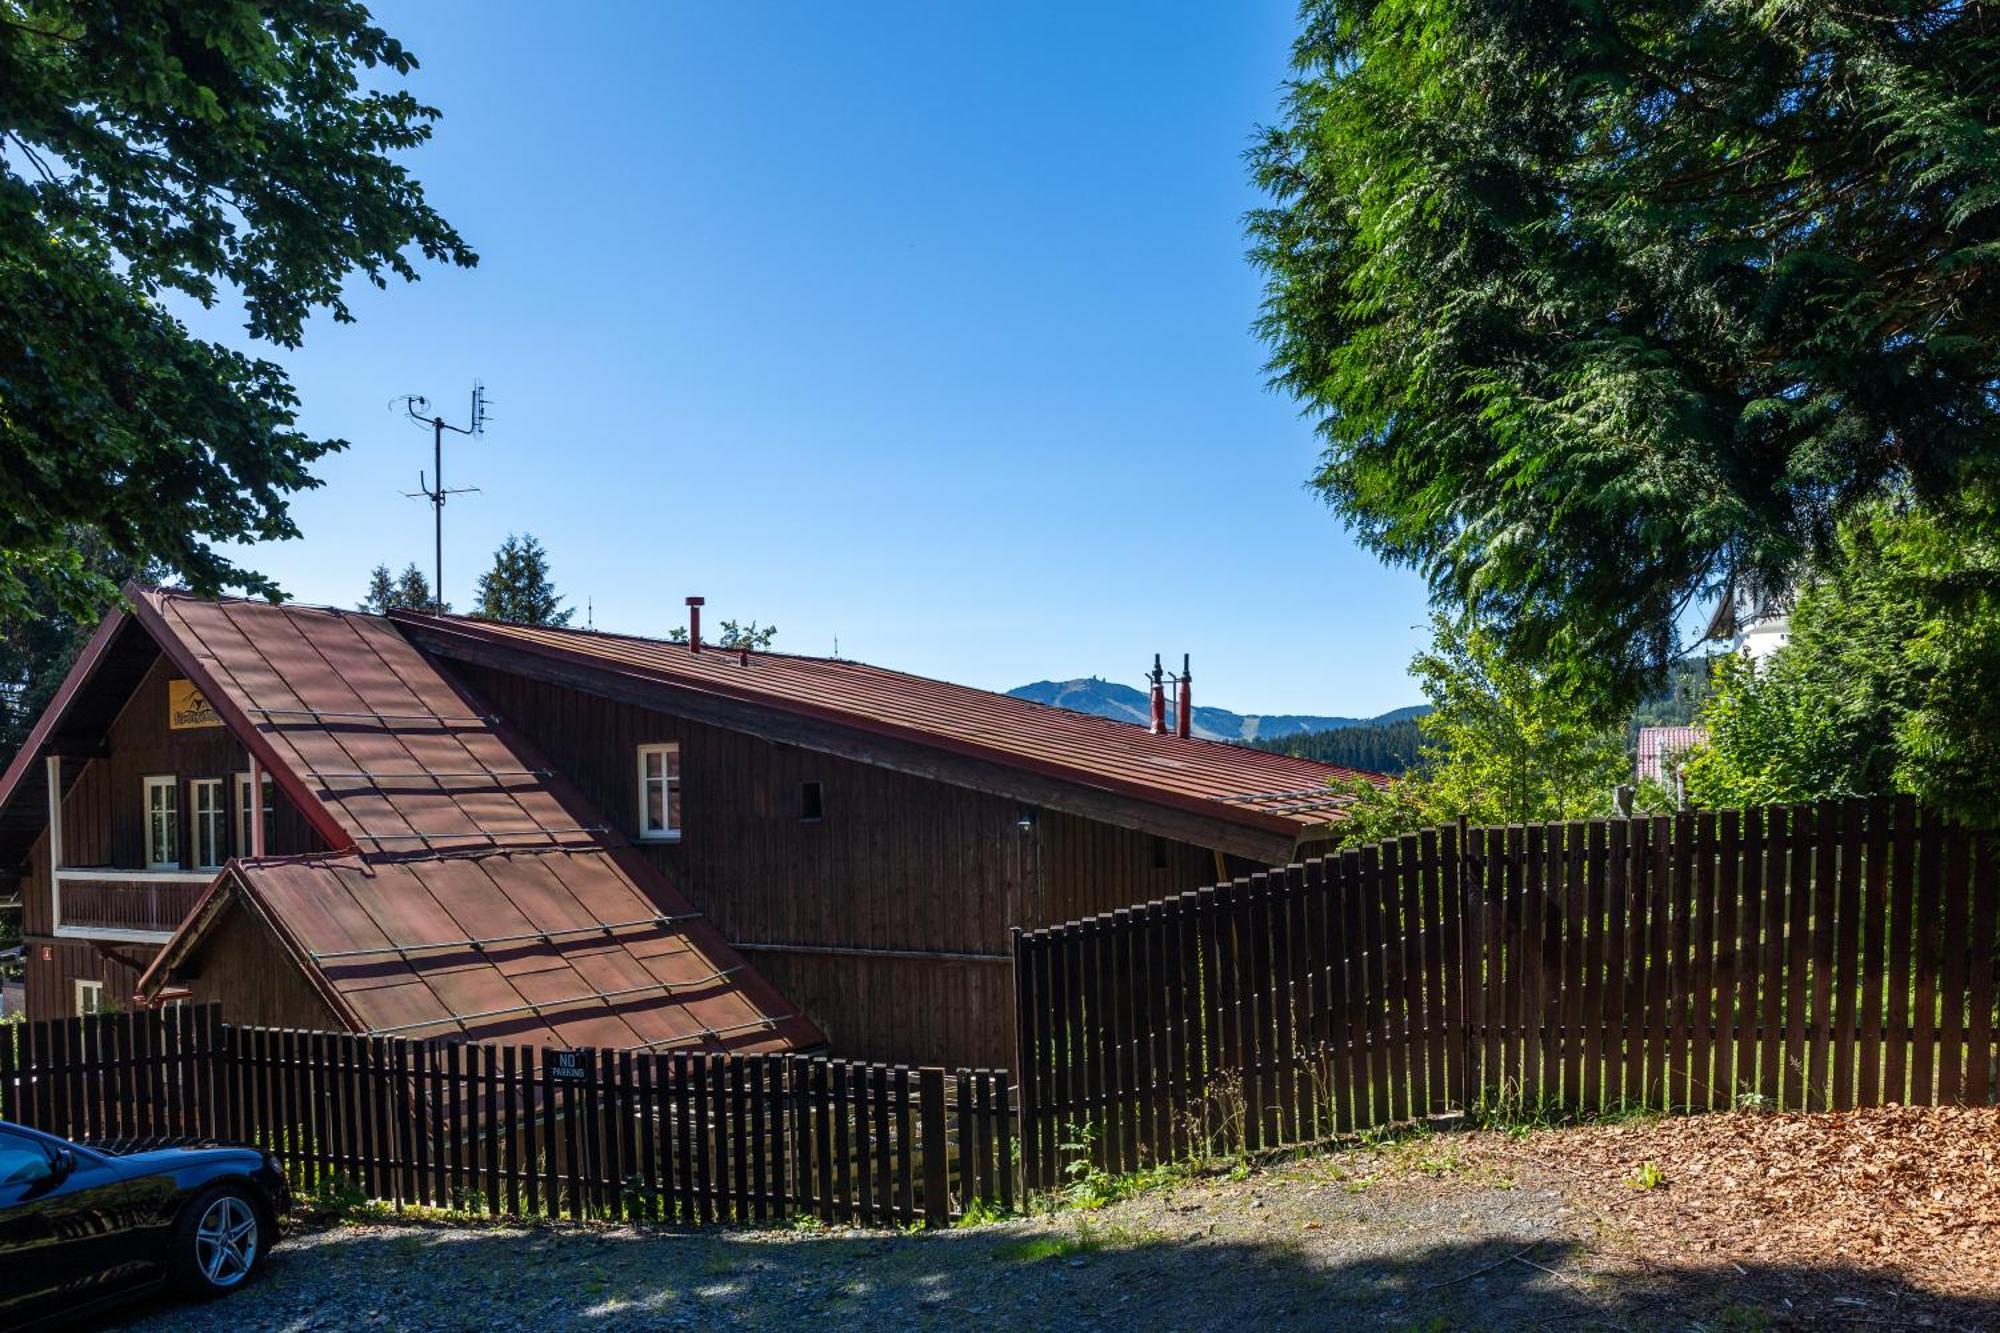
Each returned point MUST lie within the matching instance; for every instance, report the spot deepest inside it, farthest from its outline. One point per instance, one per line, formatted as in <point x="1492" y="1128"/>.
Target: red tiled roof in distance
<point x="1657" y="745"/>
<point x="1272" y="792"/>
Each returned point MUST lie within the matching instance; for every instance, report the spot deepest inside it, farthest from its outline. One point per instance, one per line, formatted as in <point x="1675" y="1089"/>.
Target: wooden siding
<point x="242" y="967"/>
<point x="896" y="865"/>
<point x="103" y="815"/>
<point x="51" y="984"/>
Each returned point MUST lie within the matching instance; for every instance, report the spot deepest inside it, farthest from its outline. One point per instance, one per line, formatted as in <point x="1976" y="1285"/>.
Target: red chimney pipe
<point x="1184" y="711"/>
<point x="1159" y="678"/>
<point x="694" y="622"/>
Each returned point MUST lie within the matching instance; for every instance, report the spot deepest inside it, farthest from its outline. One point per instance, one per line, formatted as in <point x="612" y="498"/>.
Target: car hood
<point x="177" y="1155"/>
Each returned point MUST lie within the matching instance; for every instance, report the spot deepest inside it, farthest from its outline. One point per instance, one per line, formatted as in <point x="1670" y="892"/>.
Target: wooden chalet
<point x="528" y="834"/>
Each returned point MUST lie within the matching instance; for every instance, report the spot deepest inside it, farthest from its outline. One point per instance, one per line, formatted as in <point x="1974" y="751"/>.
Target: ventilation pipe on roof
<point x="694" y="622"/>
<point x="1184" y="709"/>
<point x="1159" y="679"/>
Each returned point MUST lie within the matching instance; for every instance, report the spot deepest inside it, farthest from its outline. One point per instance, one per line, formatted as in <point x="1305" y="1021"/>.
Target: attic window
<point x="812" y="802"/>
<point x="660" y="792"/>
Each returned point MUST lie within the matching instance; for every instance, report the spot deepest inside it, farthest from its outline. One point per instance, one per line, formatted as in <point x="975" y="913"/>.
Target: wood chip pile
<point x="1909" y="1190"/>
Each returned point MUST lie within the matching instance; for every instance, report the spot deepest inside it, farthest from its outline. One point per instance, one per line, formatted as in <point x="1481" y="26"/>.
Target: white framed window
<point x="211" y="823"/>
<point x="660" y="792"/>
<point x="163" y="824"/>
<point x="89" y="998"/>
<point x="245" y="813"/>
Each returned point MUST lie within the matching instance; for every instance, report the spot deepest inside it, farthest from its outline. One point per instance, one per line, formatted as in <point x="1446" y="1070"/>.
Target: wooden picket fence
<point x="521" y="1131"/>
<point x="1833" y="955"/>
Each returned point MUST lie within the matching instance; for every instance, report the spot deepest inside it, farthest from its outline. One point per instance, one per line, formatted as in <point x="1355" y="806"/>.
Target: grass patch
<point x="1086" y="1238"/>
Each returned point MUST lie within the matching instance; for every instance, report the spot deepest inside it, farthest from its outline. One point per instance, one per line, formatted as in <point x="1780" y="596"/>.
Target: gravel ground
<point x="1440" y="1232"/>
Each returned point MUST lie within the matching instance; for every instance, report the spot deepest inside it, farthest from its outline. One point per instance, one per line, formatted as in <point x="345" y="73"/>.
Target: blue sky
<point x="922" y="326"/>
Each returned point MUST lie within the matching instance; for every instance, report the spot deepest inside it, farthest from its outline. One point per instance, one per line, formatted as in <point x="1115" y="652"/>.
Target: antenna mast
<point x="419" y="409"/>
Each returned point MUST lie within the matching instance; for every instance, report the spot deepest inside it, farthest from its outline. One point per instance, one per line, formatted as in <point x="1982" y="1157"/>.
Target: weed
<point x="334" y="1196"/>
<point x="1743" y="1319"/>
<point x="805" y="1224"/>
<point x="980" y="1213"/>
<point x="1646" y="1176"/>
<point x="1087" y="1238"/>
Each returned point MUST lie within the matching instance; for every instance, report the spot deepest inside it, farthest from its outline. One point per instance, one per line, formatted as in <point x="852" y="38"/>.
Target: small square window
<point x="812" y="802"/>
<point x="660" y="792"/>
<point x="89" y="998"/>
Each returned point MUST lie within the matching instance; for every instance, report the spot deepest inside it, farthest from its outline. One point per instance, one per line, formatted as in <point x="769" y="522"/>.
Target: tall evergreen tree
<point x="408" y="591"/>
<point x="518" y="588"/>
<point x="1599" y="307"/>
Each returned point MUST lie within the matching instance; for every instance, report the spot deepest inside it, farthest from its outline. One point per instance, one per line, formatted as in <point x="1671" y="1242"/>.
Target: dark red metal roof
<point x="453" y="829"/>
<point x="555" y="947"/>
<point x="1266" y="791"/>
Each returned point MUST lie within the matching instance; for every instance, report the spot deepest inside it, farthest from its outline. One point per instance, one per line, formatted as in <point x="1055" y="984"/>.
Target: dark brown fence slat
<point x="1825" y="928"/>
<point x="1728" y="832"/>
<point x="1798" y="935"/>
<point x="1874" y="953"/>
<point x="1979" y="1080"/>
<point x="1954" y="943"/>
<point x="1847" y="956"/>
<point x="1925" y="958"/>
<point x="1701" y="935"/>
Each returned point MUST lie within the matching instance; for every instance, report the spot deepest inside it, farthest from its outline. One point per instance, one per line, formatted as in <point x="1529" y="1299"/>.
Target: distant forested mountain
<point x="1123" y="703"/>
<point x="1380" y="747"/>
<point x="1679" y="697"/>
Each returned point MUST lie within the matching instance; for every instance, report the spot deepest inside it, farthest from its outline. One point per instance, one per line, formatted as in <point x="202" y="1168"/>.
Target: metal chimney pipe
<point x="1159" y="679"/>
<point x="694" y="622"/>
<point x="1184" y="711"/>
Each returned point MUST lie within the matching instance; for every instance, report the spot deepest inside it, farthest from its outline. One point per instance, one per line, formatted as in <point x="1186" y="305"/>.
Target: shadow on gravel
<point x="1022" y="1278"/>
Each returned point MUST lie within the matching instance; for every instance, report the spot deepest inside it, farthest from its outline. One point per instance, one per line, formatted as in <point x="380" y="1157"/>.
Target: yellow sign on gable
<point x="187" y="708"/>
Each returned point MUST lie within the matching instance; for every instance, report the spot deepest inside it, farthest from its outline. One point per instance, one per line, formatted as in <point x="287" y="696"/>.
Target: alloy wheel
<point x="225" y="1242"/>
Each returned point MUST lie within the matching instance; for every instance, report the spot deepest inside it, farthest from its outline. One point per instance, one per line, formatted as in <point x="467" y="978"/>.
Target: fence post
<point x="9" y="1034"/>
<point x="1464" y="884"/>
<point x="1025" y="1053"/>
<point x="936" y="1147"/>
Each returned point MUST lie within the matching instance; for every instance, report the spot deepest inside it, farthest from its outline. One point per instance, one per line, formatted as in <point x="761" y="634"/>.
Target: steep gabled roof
<point x="1256" y="790"/>
<point x="113" y="661"/>
<point x="415" y="788"/>
<point x="552" y="947"/>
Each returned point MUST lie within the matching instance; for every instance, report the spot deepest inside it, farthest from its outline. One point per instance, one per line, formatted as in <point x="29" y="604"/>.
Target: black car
<point x="79" y="1227"/>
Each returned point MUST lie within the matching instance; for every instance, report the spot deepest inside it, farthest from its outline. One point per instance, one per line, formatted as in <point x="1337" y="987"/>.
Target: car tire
<point x="219" y="1240"/>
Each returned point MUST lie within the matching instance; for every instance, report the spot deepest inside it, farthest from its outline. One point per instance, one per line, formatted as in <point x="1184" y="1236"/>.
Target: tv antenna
<point x="419" y="408"/>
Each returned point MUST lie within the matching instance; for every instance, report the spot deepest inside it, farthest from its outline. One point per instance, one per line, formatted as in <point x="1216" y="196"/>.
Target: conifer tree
<point x="518" y="588"/>
<point x="1599" y="307"/>
<point x="408" y="591"/>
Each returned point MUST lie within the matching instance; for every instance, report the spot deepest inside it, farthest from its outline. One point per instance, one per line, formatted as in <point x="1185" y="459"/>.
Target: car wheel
<point x="218" y="1241"/>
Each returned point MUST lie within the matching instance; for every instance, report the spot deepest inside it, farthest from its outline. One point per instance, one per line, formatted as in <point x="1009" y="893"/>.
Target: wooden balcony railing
<point x="125" y="904"/>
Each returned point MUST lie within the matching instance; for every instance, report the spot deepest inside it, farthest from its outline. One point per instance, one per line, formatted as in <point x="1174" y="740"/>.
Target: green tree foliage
<point x="220" y="149"/>
<point x="518" y="588"/>
<point x="753" y="636"/>
<point x="408" y="591"/>
<point x="1375" y="747"/>
<point x="1504" y="742"/>
<point x="735" y="634"/>
<point x="1890" y="681"/>
<point x="1597" y="306"/>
